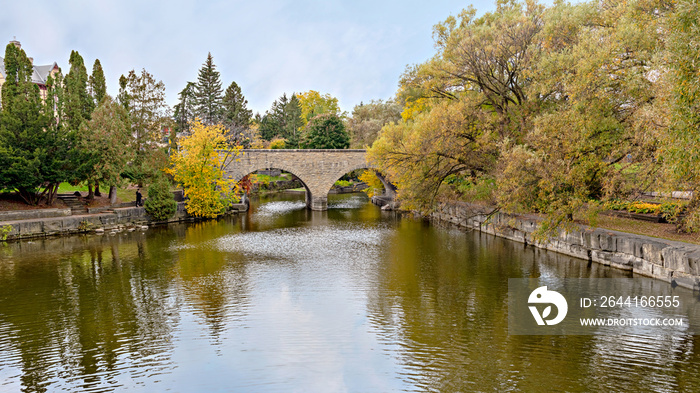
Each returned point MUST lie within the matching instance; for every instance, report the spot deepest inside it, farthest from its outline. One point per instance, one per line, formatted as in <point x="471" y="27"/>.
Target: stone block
<point x="30" y="228"/>
<point x="53" y="226"/>
<point x="606" y="241"/>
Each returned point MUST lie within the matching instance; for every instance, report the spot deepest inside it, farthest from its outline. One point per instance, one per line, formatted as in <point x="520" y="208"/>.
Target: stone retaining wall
<point x="33" y="214"/>
<point x="119" y="218"/>
<point x="674" y="262"/>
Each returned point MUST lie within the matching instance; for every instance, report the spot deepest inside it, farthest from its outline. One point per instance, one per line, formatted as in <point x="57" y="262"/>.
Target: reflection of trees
<point x="78" y="304"/>
<point x="441" y="299"/>
<point x="215" y="286"/>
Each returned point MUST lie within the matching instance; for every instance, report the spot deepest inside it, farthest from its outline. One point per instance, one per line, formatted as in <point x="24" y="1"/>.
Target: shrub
<point x="160" y="204"/>
<point x="4" y="232"/>
<point x="342" y="183"/>
<point x="278" y="143"/>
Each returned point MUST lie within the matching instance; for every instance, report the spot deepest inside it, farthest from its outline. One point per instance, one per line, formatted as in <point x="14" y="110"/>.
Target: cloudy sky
<point x="354" y="49"/>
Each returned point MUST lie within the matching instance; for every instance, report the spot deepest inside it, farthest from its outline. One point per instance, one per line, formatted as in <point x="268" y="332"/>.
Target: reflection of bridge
<point x="317" y="169"/>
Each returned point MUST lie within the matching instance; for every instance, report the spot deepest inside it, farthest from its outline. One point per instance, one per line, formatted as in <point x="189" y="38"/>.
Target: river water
<point x="282" y="299"/>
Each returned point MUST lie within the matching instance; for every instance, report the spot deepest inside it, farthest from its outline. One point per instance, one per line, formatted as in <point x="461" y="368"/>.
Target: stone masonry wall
<point x="674" y="262"/>
<point x="318" y="169"/>
<point x="120" y="218"/>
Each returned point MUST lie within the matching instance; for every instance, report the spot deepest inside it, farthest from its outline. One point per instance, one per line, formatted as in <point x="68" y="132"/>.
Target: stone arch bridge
<point x="318" y="170"/>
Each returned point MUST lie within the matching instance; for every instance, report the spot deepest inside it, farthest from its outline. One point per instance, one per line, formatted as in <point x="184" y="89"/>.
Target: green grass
<point x="268" y="178"/>
<point x="123" y="195"/>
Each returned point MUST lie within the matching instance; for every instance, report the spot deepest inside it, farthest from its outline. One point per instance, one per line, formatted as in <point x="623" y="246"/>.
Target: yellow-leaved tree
<point x="199" y="166"/>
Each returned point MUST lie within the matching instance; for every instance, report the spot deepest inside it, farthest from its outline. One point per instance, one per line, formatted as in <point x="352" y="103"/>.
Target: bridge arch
<point x="318" y="170"/>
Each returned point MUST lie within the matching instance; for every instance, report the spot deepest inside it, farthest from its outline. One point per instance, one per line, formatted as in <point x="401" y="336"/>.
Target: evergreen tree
<point x="185" y="109"/>
<point x="144" y="97"/>
<point x="98" y="85"/>
<point x="22" y="124"/>
<point x="78" y="103"/>
<point x="283" y="120"/>
<point x="326" y="131"/>
<point x="208" y="93"/>
<point x="293" y="122"/>
<point x="237" y="118"/>
<point x="58" y="165"/>
<point x="123" y="96"/>
<point x="160" y="204"/>
<point x="269" y="126"/>
<point x="236" y="113"/>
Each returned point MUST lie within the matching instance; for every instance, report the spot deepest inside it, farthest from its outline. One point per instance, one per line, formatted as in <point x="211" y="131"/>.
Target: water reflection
<point x="285" y="299"/>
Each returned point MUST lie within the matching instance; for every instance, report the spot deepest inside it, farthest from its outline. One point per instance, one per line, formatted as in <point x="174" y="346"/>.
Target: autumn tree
<point x="681" y="139"/>
<point x="199" y="166"/>
<point x="368" y="119"/>
<point x="208" y="92"/>
<point x="590" y="127"/>
<point x="462" y="106"/>
<point x="419" y="155"/>
<point x="313" y="103"/>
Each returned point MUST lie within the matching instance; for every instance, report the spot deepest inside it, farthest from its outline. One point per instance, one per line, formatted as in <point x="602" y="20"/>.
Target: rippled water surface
<point x="282" y="299"/>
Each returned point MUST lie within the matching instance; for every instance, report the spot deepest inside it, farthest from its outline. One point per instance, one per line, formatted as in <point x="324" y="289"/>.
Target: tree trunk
<point x="112" y="195"/>
<point x="97" y="189"/>
<point x="51" y="194"/>
<point x="91" y="194"/>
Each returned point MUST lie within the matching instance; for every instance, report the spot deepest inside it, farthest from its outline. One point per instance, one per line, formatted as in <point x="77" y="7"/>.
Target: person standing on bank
<point x="138" y="197"/>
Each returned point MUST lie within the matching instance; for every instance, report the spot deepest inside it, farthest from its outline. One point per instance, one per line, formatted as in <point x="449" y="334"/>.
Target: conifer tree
<point x="22" y="124"/>
<point x="236" y="113"/>
<point x="208" y="93"/>
<point x="79" y="105"/>
<point x="98" y="85"/>
<point x="293" y="122"/>
<point x="58" y="165"/>
<point x="185" y="109"/>
<point x="237" y="118"/>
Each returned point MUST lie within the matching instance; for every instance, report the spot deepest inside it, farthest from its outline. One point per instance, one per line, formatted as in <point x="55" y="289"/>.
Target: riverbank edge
<point x="675" y="262"/>
<point x="124" y="218"/>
